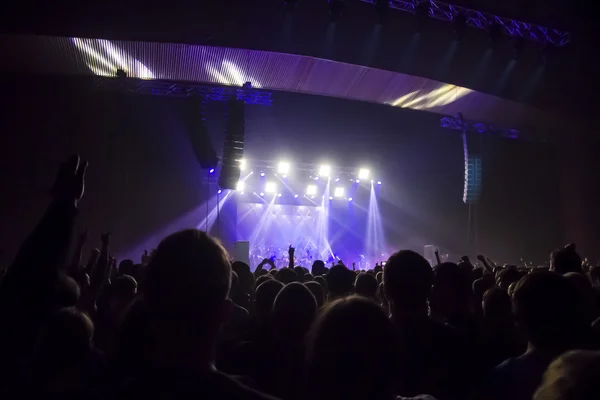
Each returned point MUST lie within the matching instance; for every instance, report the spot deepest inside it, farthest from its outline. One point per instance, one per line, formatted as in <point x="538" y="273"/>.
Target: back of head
<point x="300" y="273"/>
<point x="321" y="281"/>
<point x="245" y="276"/>
<point x="286" y="275"/>
<point x="265" y="296"/>
<point x="262" y="279"/>
<point x="379" y="277"/>
<point x="352" y="334"/>
<point x="572" y="376"/>
<point x="124" y="286"/>
<point x="566" y="260"/>
<point x="67" y="292"/>
<point x="366" y="285"/>
<point x="340" y="281"/>
<point x="318" y="268"/>
<point x="293" y="311"/>
<point x="126" y="267"/>
<point x="187" y="282"/>
<point x="407" y="280"/>
<point x="544" y="304"/>
<point x="317" y="290"/>
<point x="496" y="304"/>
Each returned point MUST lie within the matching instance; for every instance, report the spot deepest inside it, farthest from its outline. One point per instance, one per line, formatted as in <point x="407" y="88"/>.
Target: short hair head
<point x="407" y="279"/>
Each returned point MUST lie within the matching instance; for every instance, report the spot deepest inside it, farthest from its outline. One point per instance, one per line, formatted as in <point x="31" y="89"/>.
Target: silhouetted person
<point x="351" y="352"/>
<point x="186" y="301"/>
<point x="366" y="285"/>
<point x="451" y="296"/>
<point x="318" y="268"/>
<point x="433" y="357"/>
<point x="286" y="275"/>
<point x="340" y="282"/>
<point x="566" y="260"/>
<point x="317" y="290"/>
<point x="572" y="376"/>
<point x="544" y="304"/>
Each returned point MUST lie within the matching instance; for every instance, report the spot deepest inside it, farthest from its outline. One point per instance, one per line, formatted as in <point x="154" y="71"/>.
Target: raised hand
<point x="70" y="180"/>
<point x="146" y="258"/>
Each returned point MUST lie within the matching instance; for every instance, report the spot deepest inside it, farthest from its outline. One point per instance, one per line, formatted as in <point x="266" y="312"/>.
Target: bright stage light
<point x="242" y="164"/>
<point x="262" y="194"/>
<point x="363" y="173"/>
<point x="339" y="192"/>
<point x="210" y="171"/>
<point x="357" y="181"/>
<point x="240" y="186"/>
<point x="270" y="187"/>
<point x="279" y="195"/>
<point x="350" y="199"/>
<point x="379" y="182"/>
<point x="337" y="179"/>
<point x="311" y="190"/>
<point x="295" y="196"/>
<point x="325" y="170"/>
<point x="330" y="198"/>
<point x="283" y="167"/>
<point x="262" y="174"/>
<point x="219" y="191"/>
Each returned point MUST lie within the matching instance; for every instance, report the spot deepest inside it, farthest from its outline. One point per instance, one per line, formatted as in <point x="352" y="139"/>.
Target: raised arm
<point x="291" y="252"/>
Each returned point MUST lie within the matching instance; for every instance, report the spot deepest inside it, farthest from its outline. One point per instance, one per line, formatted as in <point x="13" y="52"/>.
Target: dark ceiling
<point x="566" y="85"/>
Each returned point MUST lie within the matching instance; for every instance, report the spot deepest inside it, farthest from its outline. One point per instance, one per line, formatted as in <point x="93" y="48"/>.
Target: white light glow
<point x="242" y="164"/>
<point x="311" y="190"/>
<point x="363" y="173"/>
<point x="324" y="170"/>
<point x="270" y="187"/>
<point x="240" y="186"/>
<point x="339" y="192"/>
<point x="283" y="167"/>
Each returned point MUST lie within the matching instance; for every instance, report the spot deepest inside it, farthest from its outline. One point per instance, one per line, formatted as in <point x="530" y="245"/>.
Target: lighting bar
<point x="324" y="170"/>
<point x="483" y="20"/>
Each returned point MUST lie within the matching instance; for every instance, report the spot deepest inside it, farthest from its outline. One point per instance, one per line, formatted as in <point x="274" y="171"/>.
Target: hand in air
<point x="70" y="180"/>
<point x="291" y="250"/>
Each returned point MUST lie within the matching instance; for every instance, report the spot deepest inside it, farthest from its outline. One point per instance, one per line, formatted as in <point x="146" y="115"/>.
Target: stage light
<point x="279" y="195"/>
<point x="283" y="167"/>
<point x="357" y="181"/>
<point x="325" y="170"/>
<point x="285" y="177"/>
<point x="242" y="165"/>
<point x="311" y="190"/>
<point x="316" y="178"/>
<point x="339" y="192"/>
<point x="240" y="186"/>
<point x="379" y="182"/>
<point x="210" y="171"/>
<point x="312" y="197"/>
<point x="363" y="173"/>
<point x="262" y="194"/>
<point x="337" y="179"/>
<point x="270" y="187"/>
<point x="295" y="196"/>
<point x="330" y="198"/>
<point x="262" y="174"/>
<point x="219" y="191"/>
<point x="350" y="199"/>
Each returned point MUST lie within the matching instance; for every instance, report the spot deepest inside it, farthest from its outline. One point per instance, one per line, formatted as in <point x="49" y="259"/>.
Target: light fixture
<point x="311" y="190"/>
<point x="350" y="199"/>
<point x="295" y="196"/>
<point x="242" y="165"/>
<point x="262" y="174"/>
<point x="240" y="186"/>
<point x="270" y="187"/>
<point x="363" y="173"/>
<point x="283" y="167"/>
<point x="210" y="171"/>
<point x="379" y="182"/>
<point x="357" y="181"/>
<point x="279" y="195"/>
<point x="262" y="194"/>
<point x="219" y="191"/>
<point x="339" y="192"/>
<point x="325" y="170"/>
<point x="330" y="198"/>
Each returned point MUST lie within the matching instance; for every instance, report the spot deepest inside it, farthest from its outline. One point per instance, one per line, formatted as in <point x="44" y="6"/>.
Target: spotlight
<point x="219" y="191"/>
<point x="311" y="190"/>
<point x="242" y="165"/>
<point x="279" y="195"/>
<point x="284" y="176"/>
<point x="357" y="181"/>
<point x="283" y="168"/>
<point x="350" y="199"/>
<point x="212" y="170"/>
<point x="262" y="194"/>
<point x="316" y="178"/>
<point x="270" y="187"/>
<point x="262" y="174"/>
<point x="312" y="197"/>
<point x="295" y="196"/>
<point x="325" y="170"/>
<point x="363" y="173"/>
<point x="337" y="179"/>
<point x="240" y="186"/>
<point x="330" y="198"/>
<point x="379" y="182"/>
<point x="339" y="192"/>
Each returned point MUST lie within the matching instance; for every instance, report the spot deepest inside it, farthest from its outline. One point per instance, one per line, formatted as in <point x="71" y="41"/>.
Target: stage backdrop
<point x="144" y="180"/>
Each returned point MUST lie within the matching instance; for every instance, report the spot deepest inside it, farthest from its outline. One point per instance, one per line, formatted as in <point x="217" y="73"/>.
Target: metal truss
<point x="181" y="89"/>
<point x="483" y="20"/>
<point x="460" y="124"/>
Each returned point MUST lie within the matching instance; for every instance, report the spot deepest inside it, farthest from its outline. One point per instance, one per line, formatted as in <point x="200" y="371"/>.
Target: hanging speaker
<point x="233" y="148"/>
<point x="473" y="171"/>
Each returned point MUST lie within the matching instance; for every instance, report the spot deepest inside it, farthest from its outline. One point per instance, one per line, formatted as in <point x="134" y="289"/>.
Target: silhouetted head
<point x="299" y="273"/>
<point x="67" y="293"/>
<point x="245" y="276"/>
<point x="379" y="277"/>
<point x="187" y="285"/>
<point x="586" y="293"/>
<point x="265" y="296"/>
<point x="496" y="304"/>
<point x="351" y="352"/>
<point x="340" y="281"/>
<point x="286" y="275"/>
<point x="262" y="279"/>
<point x="407" y="279"/>
<point x="508" y="276"/>
<point x="544" y="305"/>
<point x="321" y="281"/>
<point x="318" y="268"/>
<point x="572" y="376"/>
<point x="566" y="260"/>
<point x="293" y="311"/>
<point x="366" y="285"/>
<point x="317" y="290"/>
<point x="126" y="267"/>
<point x="451" y="290"/>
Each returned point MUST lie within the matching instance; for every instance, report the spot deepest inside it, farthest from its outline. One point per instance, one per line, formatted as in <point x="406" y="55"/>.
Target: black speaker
<point x="195" y="120"/>
<point x="473" y="168"/>
<point x="233" y="148"/>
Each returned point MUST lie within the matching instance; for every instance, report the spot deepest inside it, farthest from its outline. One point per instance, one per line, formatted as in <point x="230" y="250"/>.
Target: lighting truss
<point x="484" y="20"/>
<point x="184" y="89"/>
<point x="460" y="124"/>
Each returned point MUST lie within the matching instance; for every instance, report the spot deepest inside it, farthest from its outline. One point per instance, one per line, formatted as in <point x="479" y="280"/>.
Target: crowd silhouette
<point x="185" y="322"/>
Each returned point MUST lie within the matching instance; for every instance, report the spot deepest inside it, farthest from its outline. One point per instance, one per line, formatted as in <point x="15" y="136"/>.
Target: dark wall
<point x="143" y="174"/>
